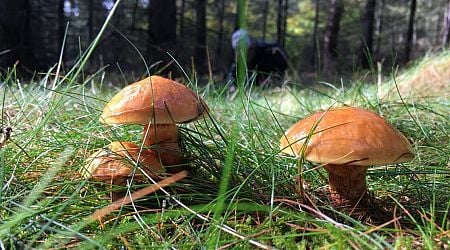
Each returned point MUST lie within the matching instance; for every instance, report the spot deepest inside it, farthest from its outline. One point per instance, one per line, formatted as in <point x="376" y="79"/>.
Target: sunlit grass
<point x="45" y="202"/>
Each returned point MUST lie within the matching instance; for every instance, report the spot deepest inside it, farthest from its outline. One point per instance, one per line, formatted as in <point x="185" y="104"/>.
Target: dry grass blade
<point x="99" y="214"/>
<point x="306" y="229"/>
<point x="394" y="220"/>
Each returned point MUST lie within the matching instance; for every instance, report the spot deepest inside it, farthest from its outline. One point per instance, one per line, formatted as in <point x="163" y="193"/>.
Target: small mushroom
<point x="346" y="141"/>
<point x="159" y="104"/>
<point x="115" y="163"/>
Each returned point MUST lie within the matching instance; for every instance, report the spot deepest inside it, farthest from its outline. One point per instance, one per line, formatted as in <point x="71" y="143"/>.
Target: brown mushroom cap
<point x="347" y="135"/>
<point x="114" y="163"/>
<point x="154" y="100"/>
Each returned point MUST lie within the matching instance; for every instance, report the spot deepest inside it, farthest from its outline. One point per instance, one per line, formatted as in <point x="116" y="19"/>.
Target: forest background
<point x="323" y="39"/>
<point x="61" y="61"/>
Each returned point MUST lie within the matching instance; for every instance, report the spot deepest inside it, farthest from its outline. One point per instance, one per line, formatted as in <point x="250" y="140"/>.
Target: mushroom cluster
<point x="346" y="141"/>
<point x="157" y="103"/>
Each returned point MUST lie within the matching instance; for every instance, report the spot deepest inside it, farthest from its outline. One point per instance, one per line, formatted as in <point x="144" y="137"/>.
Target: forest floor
<point x="46" y="203"/>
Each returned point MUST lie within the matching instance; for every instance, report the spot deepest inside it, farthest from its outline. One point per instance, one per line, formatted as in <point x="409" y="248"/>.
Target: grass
<point x="240" y="193"/>
<point x="238" y="179"/>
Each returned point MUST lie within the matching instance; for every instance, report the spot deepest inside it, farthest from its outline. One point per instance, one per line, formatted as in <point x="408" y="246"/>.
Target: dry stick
<point x="300" y="228"/>
<point x="99" y="214"/>
<point x="315" y="211"/>
<point x="222" y="227"/>
<point x="394" y="220"/>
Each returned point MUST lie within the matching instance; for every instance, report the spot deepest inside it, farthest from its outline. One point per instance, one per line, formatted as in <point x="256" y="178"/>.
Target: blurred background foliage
<point x="322" y="38"/>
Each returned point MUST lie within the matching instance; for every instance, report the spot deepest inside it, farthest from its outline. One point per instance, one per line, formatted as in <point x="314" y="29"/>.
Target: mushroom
<point x="115" y="163"/>
<point x="346" y="141"/>
<point x="158" y="103"/>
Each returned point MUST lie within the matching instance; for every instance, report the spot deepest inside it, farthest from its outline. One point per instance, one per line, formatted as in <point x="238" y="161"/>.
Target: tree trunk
<point x="45" y="27"/>
<point x="162" y="30"/>
<point x="163" y="21"/>
<point x="279" y="21"/>
<point x="181" y="25"/>
<point x="330" y="39"/>
<point x="133" y="15"/>
<point x="446" y="27"/>
<point x="367" y="24"/>
<point x="379" y="27"/>
<point x="15" y="34"/>
<point x="61" y="28"/>
<point x="265" y="14"/>
<point x="285" y="14"/>
<point x="220" y="35"/>
<point x="282" y="20"/>
<point x="315" y="39"/>
<point x="91" y="20"/>
<point x="200" y="35"/>
<point x="409" y="35"/>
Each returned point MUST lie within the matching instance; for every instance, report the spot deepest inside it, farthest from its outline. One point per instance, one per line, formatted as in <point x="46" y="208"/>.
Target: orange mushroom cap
<point x="154" y="100"/>
<point x="115" y="162"/>
<point x="347" y="135"/>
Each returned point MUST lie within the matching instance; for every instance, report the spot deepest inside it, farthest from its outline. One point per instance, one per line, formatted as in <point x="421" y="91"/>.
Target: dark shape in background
<point x="319" y="36"/>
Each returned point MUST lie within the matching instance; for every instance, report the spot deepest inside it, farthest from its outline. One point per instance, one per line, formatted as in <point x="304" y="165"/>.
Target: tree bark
<point x="133" y="15"/>
<point x="45" y="27"/>
<point x="200" y="35"/>
<point x="410" y="33"/>
<point x="285" y="14"/>
<point x="91" y="20"/>
<point x="279" y="21"/>
<point x="314" y="36"/>
<point x="220" y="35"/>
<point x="282" y="20"/>
<point x="62" y="28"/>
<point x="162" y="21"/>
<point x="181" y="24"/>
<point x="15" y="34"/>
<point x="367" y="25"/>
<point x="265" y="14"/>
<point x="330" y="39"/>
<point x="162" y="32"/>
<point x="446" y="27"/>
<point x="379" y="27"/>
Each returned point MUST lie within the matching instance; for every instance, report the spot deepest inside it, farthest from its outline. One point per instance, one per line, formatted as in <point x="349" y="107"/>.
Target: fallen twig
<point x="99" y="214"/>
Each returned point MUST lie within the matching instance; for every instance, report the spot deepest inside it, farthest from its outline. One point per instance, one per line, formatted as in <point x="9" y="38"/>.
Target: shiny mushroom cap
<point x="347" y="135"/>
<point x="154" y="100"/>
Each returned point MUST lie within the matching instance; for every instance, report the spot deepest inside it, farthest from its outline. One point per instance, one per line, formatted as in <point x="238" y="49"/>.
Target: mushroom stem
<point x="347" y="184"/>
<point x="163" y="138"/>
<point x="160" y="133"/>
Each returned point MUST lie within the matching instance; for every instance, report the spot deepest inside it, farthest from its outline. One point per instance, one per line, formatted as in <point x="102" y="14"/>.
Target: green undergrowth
<point x="240" y="193"/>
